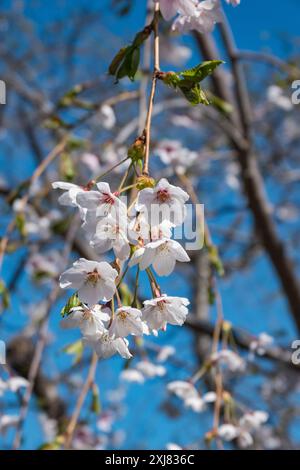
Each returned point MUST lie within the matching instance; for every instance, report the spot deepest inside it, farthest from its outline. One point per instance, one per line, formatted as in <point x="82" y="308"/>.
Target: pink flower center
<point x="108" y="199"/>
<point x="169" y="149"/>
<point x="163" y="195"/>
<point x="161" y="305"/>
<point x="122" y="315"/>
<point x="87" y="315"/>
<point x="93" y="277"/>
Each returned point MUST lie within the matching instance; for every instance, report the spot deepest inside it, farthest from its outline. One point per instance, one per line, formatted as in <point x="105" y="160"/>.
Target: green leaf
<point x="215" y="260"/>
<point x="54" y="123"/>
<point x="54" y="445"/>
<point x="74" y="143"/>
<point x="201" y="71"/>
<point x="61" y="226"/>
<point x="171" y="79"/>
<point x="75" y="349"/>
<point x="72" y="302"/>
<point x="126" y="295"/>
<point x="222" y="106"/>
<point x="67" y="168"/>
<point x="96" y="404"/>
<point x="211" y="296"/>
<point x="127" y="67"/>
<point x="68" y="98"/>
<point x="21" y="224"/>
<point x="188" y="81"/>
<point x="40" y="275"/>
<point x="4" y="295"/>
<point x="195" y="95"/>
<point x="117" y="60"/>
<point x="126" y="62"/>
<point x="134" y="63"/>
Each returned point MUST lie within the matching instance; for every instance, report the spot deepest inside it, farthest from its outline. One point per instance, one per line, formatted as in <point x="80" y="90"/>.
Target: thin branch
<point x="87" y="385"/>
<point x="250" y="173"/>
<point x="269" y="59"/>
<point x="42" y="340"/>
<point x="35" y="176"/>
<point x="243" y="340"/>
<point x="147" y="130"/>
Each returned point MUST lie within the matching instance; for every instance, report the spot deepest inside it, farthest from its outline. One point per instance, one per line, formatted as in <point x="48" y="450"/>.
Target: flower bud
<point x="145" y="181"/>
<point x="137" y="150"/>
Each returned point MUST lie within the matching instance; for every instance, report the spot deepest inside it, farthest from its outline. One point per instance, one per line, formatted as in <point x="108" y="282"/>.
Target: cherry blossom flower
<point x="103" y="202"/>
<point x="173" y="154"/>
<point x="7" y="421"/>
<point x="162" y="254"/>
<point x="111" y="234"/>
<point x="3" y="387"/>
<point x="228" y="432"/>
<point x="234" y="3"/>
<point x="105" y="422"/>
<point x="229" y="358"/>
<point x="140" y="229"/>
<point x="182" y="389"/>
<point x="173" y="446"/>
<point x="46" y="265"/>
<point x="94" y="281"/>
<point x="164" y="200"/>
<point x="169" y="8"/>
<point x="165" y="352"/>
<point x="144" y="370"/>
<point x="88" y="320"/>
<point x="203" y="19"/>
<point x="68" y="198"/>
<point x="107" y="117"/>
<point x="85" y="439"/>
<point x="162" y="310"/>
<point x="12" y="384"/>
<point x="187" y="392"/>
<point x="15" y="383"/>
<point x="34" y="225"/>
<point x="261" y="344"/>
<point x="277" y="97"/>
<point x="253" y="420"/>
<point x="132" y="375"/>
<point x="249" y="423"/>
<point x="173" y="53"/>
<point x="199" y="403"/>
<point x="49" y="426"/>
<point x="106" y="346"/>
<point x="127" y="321"/>
<point x="150" y="370"/>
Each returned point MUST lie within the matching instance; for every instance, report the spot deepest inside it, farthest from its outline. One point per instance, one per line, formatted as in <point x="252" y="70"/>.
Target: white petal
<point x="88" y="199"/>
<point x="89" y="294"/>
<point x="71" y="278"/>
<point x="164" y="264"/>
<point x="178" y="251"/>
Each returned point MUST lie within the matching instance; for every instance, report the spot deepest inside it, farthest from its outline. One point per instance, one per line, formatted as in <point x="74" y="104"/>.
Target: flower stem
<point x="147" y="130"/>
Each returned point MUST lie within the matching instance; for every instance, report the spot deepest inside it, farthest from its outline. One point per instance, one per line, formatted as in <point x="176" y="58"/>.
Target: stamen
<point x="163" y="195"/>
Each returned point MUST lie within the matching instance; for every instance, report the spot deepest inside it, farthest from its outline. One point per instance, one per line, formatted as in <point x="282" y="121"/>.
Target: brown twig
<point x="35" y="176"/>
<point x="42" y="340"/>
<point x="85" y="389"/>
<point x="147" y="130"/>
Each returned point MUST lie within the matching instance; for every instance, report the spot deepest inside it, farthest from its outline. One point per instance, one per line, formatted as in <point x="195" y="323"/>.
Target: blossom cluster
<point x="241" y="430"/>
<point x="193" y="14"/>
<point x="139" y="236"/>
